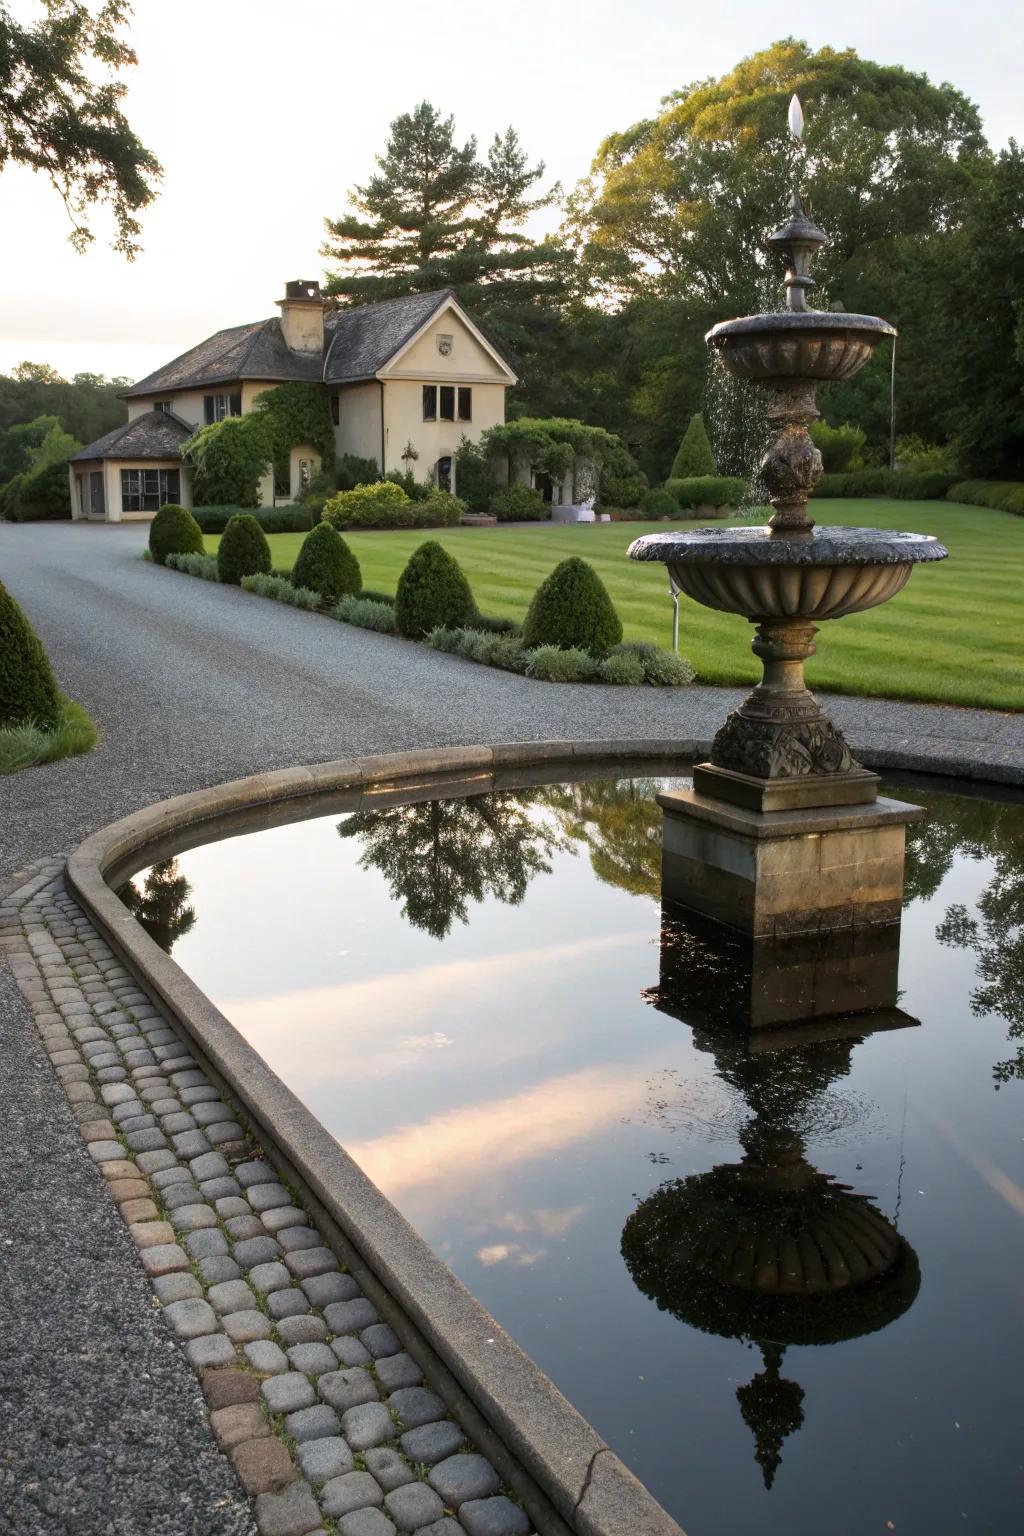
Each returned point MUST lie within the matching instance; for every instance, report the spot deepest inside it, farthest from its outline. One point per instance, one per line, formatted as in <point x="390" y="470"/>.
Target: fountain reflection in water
<point x="769" y="1249"/>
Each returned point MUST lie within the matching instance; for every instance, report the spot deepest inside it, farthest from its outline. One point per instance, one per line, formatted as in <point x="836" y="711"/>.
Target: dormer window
<point x="216" y="407"/>
<point x="163" y="405"/>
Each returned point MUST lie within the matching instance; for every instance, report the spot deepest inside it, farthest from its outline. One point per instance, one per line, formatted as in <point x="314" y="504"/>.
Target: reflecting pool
<point x="782" y="1272"/>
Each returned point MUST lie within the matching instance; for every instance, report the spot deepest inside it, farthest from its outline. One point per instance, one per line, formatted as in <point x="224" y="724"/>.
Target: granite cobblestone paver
<point x="323" y="1413"/>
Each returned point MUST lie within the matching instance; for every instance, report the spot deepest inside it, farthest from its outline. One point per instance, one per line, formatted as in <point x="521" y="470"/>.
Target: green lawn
<point x="954" y="635"/>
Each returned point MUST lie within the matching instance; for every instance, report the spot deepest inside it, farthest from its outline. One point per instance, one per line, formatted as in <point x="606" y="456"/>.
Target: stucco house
<point x="413" y="370"/>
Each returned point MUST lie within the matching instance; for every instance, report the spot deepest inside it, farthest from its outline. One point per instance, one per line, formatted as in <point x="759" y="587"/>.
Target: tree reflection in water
<point x="440" y="855"/>
<point x="620" y="821"/>
<point x="980" y="830"/>
<point x="162" y="905"/>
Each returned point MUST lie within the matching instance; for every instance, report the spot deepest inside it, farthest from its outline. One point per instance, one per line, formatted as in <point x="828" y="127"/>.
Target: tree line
<point x="605" y="320"/>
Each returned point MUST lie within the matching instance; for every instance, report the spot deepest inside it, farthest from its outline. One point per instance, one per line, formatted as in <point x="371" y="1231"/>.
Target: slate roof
<point x="255" y="351"/>
<point x="359" y="341"/>
<point x="156" y="435"/>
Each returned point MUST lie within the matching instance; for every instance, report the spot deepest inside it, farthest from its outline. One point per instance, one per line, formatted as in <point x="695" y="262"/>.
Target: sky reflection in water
<point x="473" y="997"/>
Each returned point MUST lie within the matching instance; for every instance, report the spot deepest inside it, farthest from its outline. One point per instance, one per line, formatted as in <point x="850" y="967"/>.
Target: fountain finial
<point x="796" y="117"/>
<point x="799" y="237"/>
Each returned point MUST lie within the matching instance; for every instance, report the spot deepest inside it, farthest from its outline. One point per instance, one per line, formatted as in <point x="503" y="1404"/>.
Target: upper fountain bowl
<point x="798" y="345"/>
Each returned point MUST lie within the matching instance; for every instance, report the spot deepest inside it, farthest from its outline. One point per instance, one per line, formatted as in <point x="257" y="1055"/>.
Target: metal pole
<point x="674" y="590"/>
<point x="892" y="408"/>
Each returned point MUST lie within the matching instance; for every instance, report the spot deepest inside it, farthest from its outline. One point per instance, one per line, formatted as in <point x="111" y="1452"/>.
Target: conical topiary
<point x="243" y="550"/>
<point x="572" y="608"/>
<point x="694" y="456"/>
<point x="433" y="593"/>
<point x="28" y="689"/>
<point x="174" y="531"/>
<point x="325" y="564"/>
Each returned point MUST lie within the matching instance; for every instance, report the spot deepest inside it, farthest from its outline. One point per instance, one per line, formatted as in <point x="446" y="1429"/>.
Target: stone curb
<point x="514" y="1411"/>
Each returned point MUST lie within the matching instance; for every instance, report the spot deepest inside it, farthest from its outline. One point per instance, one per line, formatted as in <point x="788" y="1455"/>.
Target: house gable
<point x="449" y="346"/>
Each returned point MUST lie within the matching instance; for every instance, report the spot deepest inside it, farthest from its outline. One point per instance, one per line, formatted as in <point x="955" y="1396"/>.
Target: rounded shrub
<point x="28" y="689"/>
<point x="174" y="531"/>
<point x="432" y="593"/>
<point x="243" y="551"/>
<point x="380" y="505"/>
<point x="518" y="504"/>
<point x="327" y="565"/>
<point x="656" y="504"/>
<point x="572" y="609"/>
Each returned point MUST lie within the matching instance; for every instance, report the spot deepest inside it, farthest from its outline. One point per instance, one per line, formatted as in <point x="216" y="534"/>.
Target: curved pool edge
<point x="563" y="1470"/>
<point x="565" y="1473"/>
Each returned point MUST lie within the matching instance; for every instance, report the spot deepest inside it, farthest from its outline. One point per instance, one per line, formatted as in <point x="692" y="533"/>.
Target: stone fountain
<point x="780" y="773"/>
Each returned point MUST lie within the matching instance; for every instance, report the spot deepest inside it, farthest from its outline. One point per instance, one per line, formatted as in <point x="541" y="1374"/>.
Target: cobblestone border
<point x="326" y="1417"/>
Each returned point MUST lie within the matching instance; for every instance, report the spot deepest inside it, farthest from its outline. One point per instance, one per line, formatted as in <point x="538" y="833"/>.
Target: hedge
<point x="292" y="519"/>
<point x="1003" y="495"/>
<point x="901" y="485"/>
<point x="708" y="490"/>
<point x="519" y="504"/>
<point x="658" y="504"/>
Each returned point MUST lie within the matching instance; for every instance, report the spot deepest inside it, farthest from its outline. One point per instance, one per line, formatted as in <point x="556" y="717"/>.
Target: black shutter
<point x="208" y="409"/>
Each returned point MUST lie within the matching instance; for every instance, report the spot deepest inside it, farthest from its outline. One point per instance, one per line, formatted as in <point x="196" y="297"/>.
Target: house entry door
<point x="97" y="504"/>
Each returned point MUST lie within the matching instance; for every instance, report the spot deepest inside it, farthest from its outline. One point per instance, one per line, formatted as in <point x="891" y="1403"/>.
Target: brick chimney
<point x="302" y="316"/>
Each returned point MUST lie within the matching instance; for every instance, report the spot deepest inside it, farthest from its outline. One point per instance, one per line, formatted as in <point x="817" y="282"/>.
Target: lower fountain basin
<point x="757" y="573"/>
<point x="812" y="345"/>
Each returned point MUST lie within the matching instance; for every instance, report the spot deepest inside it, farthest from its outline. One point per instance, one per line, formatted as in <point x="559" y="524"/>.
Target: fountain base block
<point x="858" y="787"/>
<point x="772" y="874"/>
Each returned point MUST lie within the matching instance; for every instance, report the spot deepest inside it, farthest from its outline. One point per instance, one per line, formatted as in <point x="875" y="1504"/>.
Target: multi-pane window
<point x="440" y="402"/>
<point x="147" y="490"/>
<point x="216" y="407"/>
<point x="163" y="405"/>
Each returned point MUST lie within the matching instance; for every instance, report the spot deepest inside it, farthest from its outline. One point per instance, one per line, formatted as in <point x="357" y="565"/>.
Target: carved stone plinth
<point x="785" y="872"/>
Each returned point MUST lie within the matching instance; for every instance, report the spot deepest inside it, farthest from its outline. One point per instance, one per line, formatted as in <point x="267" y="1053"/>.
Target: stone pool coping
<point x="556" y="1461"/>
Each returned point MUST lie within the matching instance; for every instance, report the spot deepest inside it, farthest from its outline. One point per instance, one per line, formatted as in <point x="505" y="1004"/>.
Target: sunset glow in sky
<point x="265" y="113"/>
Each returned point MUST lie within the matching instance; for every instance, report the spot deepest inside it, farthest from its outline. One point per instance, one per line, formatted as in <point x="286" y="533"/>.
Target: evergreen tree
<point x="694" y="456"/>
<point x="437" y="216"/>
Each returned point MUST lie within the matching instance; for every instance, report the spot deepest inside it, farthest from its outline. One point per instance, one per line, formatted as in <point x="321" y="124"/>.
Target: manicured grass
<point x="955" y="635"/>
<point x="23" y="745"/>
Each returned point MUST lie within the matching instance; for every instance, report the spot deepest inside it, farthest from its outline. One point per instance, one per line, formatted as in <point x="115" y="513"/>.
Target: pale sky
<point x="264" y="113"/>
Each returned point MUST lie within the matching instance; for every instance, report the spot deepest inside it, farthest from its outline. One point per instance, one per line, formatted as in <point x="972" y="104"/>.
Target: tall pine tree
<point x="437" y="216"/>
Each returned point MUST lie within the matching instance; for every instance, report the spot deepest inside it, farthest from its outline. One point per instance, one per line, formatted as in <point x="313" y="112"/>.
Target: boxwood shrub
<point x="174" y="531"/>
<point x="658" y="504"/>
<point x="327" y="565"/>
<point x="432" y="591"/>
<point x="519" y="504"/>
<point x="708" y="491"/>
<point x="572" y="609"/>
<point x="28" y="689"/>
<point x="243" y="550"/>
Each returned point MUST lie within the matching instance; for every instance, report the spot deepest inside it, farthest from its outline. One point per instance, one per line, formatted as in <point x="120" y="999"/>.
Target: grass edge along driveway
<point x="953" y="636"/>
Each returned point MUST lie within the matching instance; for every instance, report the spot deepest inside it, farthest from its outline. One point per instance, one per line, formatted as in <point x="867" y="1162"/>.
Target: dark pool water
<point x="483" y="1001"/>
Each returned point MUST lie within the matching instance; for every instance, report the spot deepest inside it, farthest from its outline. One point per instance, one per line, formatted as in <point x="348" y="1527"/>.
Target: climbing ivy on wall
<point x="296" y="413"/>
<point x="230" y="456"/>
